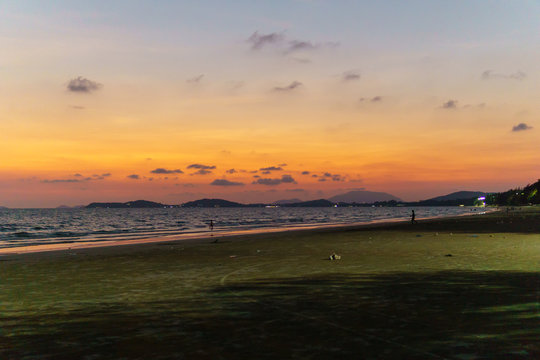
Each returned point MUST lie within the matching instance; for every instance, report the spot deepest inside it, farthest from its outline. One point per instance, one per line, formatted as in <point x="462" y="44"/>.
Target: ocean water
<point x="23" y="227"/>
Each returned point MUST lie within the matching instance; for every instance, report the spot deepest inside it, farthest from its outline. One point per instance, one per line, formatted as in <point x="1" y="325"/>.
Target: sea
<point x="25" y="227"/>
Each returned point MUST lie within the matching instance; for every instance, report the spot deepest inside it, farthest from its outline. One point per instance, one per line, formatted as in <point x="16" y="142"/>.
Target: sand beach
<point x="457" y="288"/>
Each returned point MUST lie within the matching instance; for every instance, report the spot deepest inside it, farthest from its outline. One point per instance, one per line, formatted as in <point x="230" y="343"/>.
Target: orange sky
<point x="414" y="107"/>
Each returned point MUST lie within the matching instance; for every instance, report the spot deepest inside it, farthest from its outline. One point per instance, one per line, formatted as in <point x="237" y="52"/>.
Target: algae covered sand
<point x="465" y="288"/>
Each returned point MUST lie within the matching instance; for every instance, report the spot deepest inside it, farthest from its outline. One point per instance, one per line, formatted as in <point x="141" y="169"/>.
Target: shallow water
<point x="23" y="227"/>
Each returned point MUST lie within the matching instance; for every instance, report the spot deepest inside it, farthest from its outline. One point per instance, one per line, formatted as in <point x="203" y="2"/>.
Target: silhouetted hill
<point x="206" y="203"/>
<point x="459" y="195"/>
<point x="3" y="207"/>
<point x="363" y="196"/>
<point x="530" y="194"/>
<point x="127" y="205"/>
<point x="312" y="203"/>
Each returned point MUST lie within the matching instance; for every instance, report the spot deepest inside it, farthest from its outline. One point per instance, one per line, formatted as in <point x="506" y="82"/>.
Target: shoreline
<point x="201" y="237"/>
<point x="436" y="287"/>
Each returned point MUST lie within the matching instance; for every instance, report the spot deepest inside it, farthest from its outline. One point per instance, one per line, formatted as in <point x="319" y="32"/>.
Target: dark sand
<point x="462" y="288"/>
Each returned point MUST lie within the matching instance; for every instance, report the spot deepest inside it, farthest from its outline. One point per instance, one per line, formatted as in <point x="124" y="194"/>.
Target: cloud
<point x="231" y="171"/>
<point x="327" y="174"/>
<point x="224" y="182"/>
<point x="295" y="84"/>
<point x="288" y="179"/>
<point x="272" y="168"/>
<point x="296" y="190"/>
<point x="258" y="41"/>
<point x="62" y="181"/>
<point x="77" y="175"/>
<point x="350" y="76"/>
<point x="521" y="127"/>
<point x="305" y="172"/>
<point x="83" y="85"/>
<point x="285" y="179"/>
<point x="490" y="75"/>
<point x="133" y="176"/>
<point x="202" y="172"/>
<point x="195" y="80"/>
<point x="322" y="179"/>
<point x="376" y="99"/>
<point x="106" y="174"/>
<point x="201" y="166"/>
<point x="299" y="45"/>
<point x="166" y="171"/>
<point x="266" y="172"/>
<point x="450" y="104"/>
<point x="77" y="107"/>
<point x="265" y="181"/>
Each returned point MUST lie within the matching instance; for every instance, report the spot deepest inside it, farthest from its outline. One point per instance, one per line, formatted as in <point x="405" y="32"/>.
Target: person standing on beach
<point x="211" y="225"/>
<point x="413" y="217"/>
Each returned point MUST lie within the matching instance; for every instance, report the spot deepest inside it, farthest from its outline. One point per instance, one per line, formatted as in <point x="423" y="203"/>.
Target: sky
<point x="257" y="101"/>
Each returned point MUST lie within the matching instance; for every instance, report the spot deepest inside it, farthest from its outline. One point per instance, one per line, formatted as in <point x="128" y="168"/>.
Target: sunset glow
<point x="261" y="101"/>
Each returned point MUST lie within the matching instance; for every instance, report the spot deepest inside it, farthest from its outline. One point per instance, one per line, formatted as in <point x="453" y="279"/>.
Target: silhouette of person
<point x="413" y="218"/>
<point x="211" y="225"/>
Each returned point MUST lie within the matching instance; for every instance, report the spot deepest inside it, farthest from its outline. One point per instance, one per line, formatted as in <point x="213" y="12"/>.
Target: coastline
<point x="226" y="234"/>
<point x="450" y="288"/>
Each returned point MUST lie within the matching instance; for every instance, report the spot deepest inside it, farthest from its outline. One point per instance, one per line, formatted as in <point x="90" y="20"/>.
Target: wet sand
<point x="460" y="288"/>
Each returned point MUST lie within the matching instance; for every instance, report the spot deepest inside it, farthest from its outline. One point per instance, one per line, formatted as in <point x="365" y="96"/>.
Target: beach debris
<point x="448" y="255"/>
<point x="334" y="256"/>
<point x="418" y="235"/>
<point x="232" y="256"/>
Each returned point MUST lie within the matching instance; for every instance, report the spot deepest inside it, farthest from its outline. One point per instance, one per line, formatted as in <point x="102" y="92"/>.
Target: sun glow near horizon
<point x="95" y="103"/>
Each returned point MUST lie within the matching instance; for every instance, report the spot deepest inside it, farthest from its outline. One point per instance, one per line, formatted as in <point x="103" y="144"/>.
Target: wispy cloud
<point x="290" y="87"/>
<point x="450" y="104"/>
<point x="271" y="168"/>
<point x="166" y="171"/>
<point x="133" y="177"/>
<point x="285" y="179"/>
<point x="202" y="172"/>
<point x="201" y="166"/>
<point x="258" y="41"/>
<point x="224" y="182"/>
<point x="300" y="45"/>
<point x="521" y="127"/>
<point x="490" y="75"/>
<point x="62" y="181"/>
<point x="350" y="76"/>
<point x="83" y="85"/>
<point x="195" y="80"/>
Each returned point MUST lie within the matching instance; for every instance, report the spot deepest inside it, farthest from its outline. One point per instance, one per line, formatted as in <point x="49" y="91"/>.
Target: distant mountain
<point x="287" y="201"/>
<point x="127" y="205"/>
<point x="312" y="203"/>
<point x="210" y="203"/>
<point x="459" y="195"/>
<point x="3" y="207"/>
<point x="363" y="196"/>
